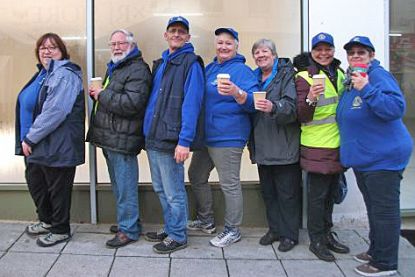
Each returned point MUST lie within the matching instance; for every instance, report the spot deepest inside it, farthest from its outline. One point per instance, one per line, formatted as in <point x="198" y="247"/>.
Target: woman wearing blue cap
<point x="320" y="141"/>
<point x="227" y="127"/>
<point x="377" y="145"/>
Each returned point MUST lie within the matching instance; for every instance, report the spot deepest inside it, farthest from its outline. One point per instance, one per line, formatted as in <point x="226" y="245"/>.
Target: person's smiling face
<point x="264" y="58"/>
<point x="49" y="51"/>
<point x="226" y="47"/>
<point x="323" y="54"/>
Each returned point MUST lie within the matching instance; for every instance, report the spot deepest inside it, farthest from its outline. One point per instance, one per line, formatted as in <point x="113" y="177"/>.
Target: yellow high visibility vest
<point x="323" y="131"/>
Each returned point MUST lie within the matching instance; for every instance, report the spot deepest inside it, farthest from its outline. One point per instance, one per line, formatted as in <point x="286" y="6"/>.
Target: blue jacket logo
<point x="357" y="102"/>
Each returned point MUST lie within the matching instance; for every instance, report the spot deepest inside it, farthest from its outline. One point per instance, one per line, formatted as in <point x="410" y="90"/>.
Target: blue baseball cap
<point x="230" y="31"/>
<point x="359" y="40"/>
<point x="178" y="19"/>
<point x="322" y="38"/>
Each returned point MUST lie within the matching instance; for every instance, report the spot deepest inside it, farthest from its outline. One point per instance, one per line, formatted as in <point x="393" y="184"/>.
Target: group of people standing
<point x="352" y="120"/>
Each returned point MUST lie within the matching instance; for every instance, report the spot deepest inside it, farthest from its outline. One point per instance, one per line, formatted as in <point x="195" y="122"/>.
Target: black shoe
<point x="286" y="244"/>
<point x="168" y="245"/>
<point x="321" y="251"/>
<point x="334" y="245"/>
<point x="268" y="238"/>
<point x="120" y="239"/>
<point x="155" y="236"/>
<point x="114" y="229"/>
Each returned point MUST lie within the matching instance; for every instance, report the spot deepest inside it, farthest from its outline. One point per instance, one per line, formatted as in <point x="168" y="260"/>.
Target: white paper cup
<point x="222" y="76"/>
<point x="96" y="82"/>
<point x="257" y="96"/>
<point x="319" y="79"/>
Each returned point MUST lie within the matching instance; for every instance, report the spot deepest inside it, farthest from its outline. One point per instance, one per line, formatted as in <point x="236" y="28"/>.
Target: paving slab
<point x="249" y="268"/>
<point x="93" y="228"/>
<point x="249" y="248"/>
<point x="9" y="233"/>
<point x="88" y="243"/>
<point x="137" y="266"/>
<point x="199" y="248"/>
<point x="26" y="264"/>
<point x="27" y="243"/>
<point x="406" y="267"/>
<point x="198" y="267"/>
<point x="314" y="268"/>
<point x="253" y="232"/>
<point x="81" y="265"/>
<point x="141" y="248"/>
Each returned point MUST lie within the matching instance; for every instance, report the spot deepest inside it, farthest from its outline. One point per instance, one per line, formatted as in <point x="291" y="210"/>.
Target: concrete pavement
<point x="86" y="255"/>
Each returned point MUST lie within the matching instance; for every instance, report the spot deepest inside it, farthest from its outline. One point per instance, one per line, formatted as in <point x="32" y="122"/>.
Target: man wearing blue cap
<point x="171" y="127"/>
<point x="320" y="140"/>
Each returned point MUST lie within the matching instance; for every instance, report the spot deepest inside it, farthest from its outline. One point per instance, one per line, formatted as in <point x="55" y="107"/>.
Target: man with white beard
<point x="116" y="127"/>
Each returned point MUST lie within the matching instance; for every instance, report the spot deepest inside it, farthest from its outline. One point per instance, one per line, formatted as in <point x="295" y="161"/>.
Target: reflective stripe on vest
<point x="322" y="131"/>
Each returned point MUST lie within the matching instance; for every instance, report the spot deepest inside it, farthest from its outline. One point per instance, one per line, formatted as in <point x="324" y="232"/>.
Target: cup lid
<point x="319" y="76"/>
<point x="96" y="79"/>
<point x="223" y="75"/>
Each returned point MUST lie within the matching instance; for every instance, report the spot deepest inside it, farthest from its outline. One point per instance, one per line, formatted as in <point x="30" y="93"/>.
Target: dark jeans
<point x="320" y="193"/>
<point x="381" y="190"/>
<point x="51" y="190"/>
<point x="281" y="192"/>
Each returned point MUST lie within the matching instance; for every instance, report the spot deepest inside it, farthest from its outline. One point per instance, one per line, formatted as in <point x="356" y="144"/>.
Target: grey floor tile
<point x="406" y="249"/>
<point x="198" y="267"/>
<point x="364" y="233"/>
<point x="249" y="268"/>
<point x="199" y="248"/>
<point x="253" y="232"/>
<point x="87" y="243"/>
<point x="28" y="244"/>
<point x="81" y="265"/>
<point x="26" y="264"/>
<point x="348" y="266"/>
<point x="93" y="228"/>
<point x="141" y="248"/>
<point x="406" y="267"/>
<point x="136" y="266"/>
<point x="303" y="237"/>
<point x="249" y="248"/>
<point x="314" y="268"/>
<point x="9" y="233"/>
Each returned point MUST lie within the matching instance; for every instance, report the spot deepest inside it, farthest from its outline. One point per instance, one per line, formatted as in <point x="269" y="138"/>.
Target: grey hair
<point x="128" y="35"/>
<point x="236" y="41"/>
<point x="267" y="43"/>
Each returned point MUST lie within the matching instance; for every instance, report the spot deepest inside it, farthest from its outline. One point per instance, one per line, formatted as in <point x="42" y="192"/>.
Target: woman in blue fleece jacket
<point x="377" y="145"/>
<point x="227" y="129"/>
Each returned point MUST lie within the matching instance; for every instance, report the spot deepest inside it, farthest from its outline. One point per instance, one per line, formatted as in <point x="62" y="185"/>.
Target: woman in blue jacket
<point x="377" y="145"/>
<point x="227" y="128"/>
<point x="50" y="116"/>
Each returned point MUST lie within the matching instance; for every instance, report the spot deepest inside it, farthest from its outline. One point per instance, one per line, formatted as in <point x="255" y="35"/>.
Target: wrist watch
<point x="310" y="102"/>
<point x="240" y="92"/>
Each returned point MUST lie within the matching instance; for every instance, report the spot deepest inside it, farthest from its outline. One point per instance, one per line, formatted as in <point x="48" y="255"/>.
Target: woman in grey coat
<point x="274" y="145"/>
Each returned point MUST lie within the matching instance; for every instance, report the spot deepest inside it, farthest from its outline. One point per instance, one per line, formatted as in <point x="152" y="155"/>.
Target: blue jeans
<point x="123" y="171"/>
<point x="381" y="190"/>
<point x="167" y="177"/>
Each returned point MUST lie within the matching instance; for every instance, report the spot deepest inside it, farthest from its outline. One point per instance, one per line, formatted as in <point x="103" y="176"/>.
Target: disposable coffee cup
<point x="257" y="96"/>
<point x="222" y="76"/>
<point x="360" y="68"/>
<point x="319" y="79"/>
<point x="96" y="82"/>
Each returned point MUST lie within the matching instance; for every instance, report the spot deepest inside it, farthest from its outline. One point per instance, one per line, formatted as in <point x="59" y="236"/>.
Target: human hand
<point x="27" y="149"/>
<point x="358" y="81"/>
<point x="94" y="92"/>
<point x="315" y="91"/>
<point x="181" y="153"/>
<point x="227" y="88"/>
<point x="264" y="105"/>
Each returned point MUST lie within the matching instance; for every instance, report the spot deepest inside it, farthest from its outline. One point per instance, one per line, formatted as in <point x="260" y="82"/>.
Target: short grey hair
<point x="128" y="35"/>
<point x="267" y="43"/>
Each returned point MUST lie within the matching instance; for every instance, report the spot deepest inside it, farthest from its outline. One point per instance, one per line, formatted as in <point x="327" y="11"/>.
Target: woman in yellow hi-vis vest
<point x="320" y="141"/>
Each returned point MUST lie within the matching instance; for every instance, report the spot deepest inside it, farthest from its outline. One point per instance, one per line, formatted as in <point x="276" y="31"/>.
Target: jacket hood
<point x="186" y="48"/>
<point x="374" y="64"/>
<point x="302" y="61"/>
<point x="56" y="64"/>
<point x="238" y="58"/>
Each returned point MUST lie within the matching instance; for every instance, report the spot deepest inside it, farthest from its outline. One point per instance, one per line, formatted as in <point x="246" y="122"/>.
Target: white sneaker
<point x="198" y="225"/>
<point x="226" y="238"/>
<point x="37" y="229"/>
<point x="52" y="239"/>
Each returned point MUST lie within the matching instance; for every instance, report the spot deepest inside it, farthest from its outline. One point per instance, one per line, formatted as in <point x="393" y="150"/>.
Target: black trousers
<point x="281" y="191"/>
<point x="51" y="190"/>
<point x="321" y="189"/>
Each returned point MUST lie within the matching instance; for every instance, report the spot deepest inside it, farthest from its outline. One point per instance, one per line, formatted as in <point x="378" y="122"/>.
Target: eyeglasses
<point x="117" y="43"/>
<point x="49" y="48"/>
<point x="358" y="52"/>
<point x="179" y="31"/>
